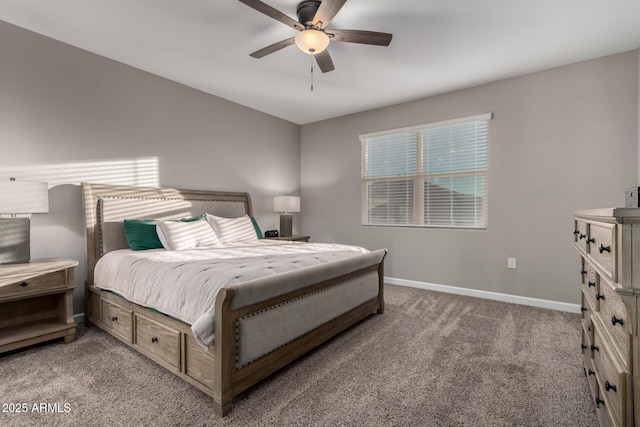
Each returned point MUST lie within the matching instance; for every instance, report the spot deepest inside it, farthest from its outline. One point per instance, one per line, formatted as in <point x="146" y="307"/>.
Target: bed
<point x="259" y="322"/>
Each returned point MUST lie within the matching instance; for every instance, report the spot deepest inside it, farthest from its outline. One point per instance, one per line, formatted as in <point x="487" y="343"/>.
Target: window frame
<point x="419" y="177"/>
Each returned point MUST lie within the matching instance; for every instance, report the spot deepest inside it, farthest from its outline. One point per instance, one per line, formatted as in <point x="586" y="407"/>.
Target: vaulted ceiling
<point x="438" y="45"/>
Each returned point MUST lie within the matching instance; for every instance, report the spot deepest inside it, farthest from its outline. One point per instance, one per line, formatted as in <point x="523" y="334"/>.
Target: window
<point x="427" y="175"/>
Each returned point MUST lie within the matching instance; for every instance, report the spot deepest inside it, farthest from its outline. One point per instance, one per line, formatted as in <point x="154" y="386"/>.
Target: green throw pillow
<point x="141" y="233"/>
<point x="257" y="228"/>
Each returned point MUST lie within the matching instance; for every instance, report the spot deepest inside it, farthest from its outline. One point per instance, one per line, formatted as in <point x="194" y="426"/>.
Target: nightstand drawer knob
<point x="23" y="284"/>
<point x="615" y="320"/>
<point x="114" y="319"/>
<point x="608" y="387"/>
<point x="154" y="339"/>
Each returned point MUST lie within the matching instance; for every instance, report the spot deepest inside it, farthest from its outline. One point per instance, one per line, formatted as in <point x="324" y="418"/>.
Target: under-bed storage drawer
<point x="157" y="341"/>
<point x="198" y="362"/>
<point x="117" y="319"/>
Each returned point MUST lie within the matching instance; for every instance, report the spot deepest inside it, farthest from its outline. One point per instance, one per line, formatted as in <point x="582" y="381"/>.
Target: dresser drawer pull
<point x="603" y="248"/>
<point x="154" y="339"/>
<point x="576" y="232"/>
<point x="23" y="284"/>
<point x="583" y="308"/>
<point x="583" y="346"/>
<point x="599" y="401"/>
<point x="615" y="320"/>
<point x="599" y="296"/>
<point x="591" y="372"/>
<point x="582" y="236"/>
<point x="591" y="284"/>
<point x="583" y="272"/>
<point x="114" y="319"/>
<point x="608" y="387"/>
<point x="592" y="240"/>
<point x="595" y="348"/>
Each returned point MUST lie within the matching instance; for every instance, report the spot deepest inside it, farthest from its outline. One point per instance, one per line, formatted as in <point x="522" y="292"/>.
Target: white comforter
<point x="184" y="284"/>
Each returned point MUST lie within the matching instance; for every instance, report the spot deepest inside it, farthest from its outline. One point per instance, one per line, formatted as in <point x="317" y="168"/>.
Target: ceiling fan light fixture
<point x="312" y="41"/>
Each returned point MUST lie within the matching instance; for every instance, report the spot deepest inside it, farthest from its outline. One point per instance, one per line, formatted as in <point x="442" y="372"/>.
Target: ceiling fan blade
<point x="359" y="36"/>
<point x="273" y="13"/>
<point x="272" y="48"/>
<point x="324" y="61"/>
<point x="327" y="10"/>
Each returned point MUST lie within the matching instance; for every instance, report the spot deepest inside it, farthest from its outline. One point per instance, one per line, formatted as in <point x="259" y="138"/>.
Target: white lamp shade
<point x="286" y="204"/>
<point x="24" y="197"/>
<point x="312" y="41"/>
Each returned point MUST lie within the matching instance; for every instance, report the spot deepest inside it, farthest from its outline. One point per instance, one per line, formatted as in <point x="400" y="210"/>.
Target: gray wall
<point x="68" y="116"/>
<point x="560" y="140"/>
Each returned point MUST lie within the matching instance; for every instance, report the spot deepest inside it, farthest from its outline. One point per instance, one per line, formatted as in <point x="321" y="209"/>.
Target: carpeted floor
<point x="432" y="359"/>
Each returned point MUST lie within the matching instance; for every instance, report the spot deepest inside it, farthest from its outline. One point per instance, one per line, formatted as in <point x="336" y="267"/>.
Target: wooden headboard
<point x="107" y="205"/>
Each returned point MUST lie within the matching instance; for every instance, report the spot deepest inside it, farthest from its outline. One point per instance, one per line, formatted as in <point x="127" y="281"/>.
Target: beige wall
<point x="559" y="140"/>
<point x="67" y="115"/>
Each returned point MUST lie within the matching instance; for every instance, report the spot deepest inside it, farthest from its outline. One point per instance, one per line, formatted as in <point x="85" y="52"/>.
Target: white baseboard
<point x="534" y="302"/>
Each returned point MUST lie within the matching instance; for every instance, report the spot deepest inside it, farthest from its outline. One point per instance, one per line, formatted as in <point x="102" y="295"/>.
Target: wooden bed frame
<point x="171" y="343"/>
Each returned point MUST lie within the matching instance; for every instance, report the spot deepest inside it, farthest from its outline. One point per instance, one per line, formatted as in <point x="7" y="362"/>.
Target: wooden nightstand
<point x="295" y="238"/>
<point x="36" y="302"/>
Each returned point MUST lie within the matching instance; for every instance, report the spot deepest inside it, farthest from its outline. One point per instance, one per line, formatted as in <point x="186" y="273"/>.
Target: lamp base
<point x="15" y="239"/>
<point x="286" y="225"/>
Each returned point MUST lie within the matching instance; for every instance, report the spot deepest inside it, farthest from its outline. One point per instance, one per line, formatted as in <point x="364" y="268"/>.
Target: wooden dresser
<point x="608" y="241"/>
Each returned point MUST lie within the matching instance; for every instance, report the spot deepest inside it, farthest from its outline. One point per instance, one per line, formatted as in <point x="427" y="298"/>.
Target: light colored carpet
<point x="432" y="359"/>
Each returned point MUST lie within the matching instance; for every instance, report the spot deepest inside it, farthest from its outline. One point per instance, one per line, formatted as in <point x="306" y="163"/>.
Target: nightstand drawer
<point x="39" y="284"/>
<point x="118" y="320"/>
<point x="159" y="341"/>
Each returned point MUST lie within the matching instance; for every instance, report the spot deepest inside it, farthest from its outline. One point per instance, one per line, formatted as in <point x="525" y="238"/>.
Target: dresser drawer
<point x="158" y="341"/>
<point x="587" y="362"/>
<point x="587" y="311"/>
<point x="118" y="320"/>
<point x="615" y="319"/>
<point x="580" y="234"/>
<point x="614" y="380"/>
<point x="602" y="246"/>
<point x="590" y="283"/>
<point x="40" y="284"/>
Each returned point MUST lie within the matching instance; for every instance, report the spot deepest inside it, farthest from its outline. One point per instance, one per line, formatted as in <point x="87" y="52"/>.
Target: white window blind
<point x="427" y="175"/>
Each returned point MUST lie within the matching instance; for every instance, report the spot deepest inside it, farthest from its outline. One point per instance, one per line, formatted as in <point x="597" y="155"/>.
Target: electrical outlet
<point x="511" y="263"/>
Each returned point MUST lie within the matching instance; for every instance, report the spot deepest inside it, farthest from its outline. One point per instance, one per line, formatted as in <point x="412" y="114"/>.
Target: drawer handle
<point x="599" y="296"/>
<point x="576" y="232"/>
<point x="591" y="284"/>
<point x="582" y="236"/>
<point x="599" y="401"/>
<point x="591" y="372"/>
<point x="608" y="387"/>
<point x="595" y="348"/>
<point x="583" y="272"/>
<point x="615" y="320"/>
<point x="114" y="319"/>
<point x="154" y="339"/>
<point x="583" y="308"/>
<point x="584" y="346"/>
<point x="592" y="240"/>
<point x="23" y="284"/>
<point x="603" y="248"/>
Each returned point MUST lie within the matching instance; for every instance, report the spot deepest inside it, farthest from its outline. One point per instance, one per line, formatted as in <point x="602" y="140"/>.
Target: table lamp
<point x="286" y="205"/>
<point x="19" y="198"/>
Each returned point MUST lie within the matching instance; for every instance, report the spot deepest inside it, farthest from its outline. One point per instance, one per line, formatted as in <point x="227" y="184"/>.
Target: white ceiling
<point x="438" y="45"/>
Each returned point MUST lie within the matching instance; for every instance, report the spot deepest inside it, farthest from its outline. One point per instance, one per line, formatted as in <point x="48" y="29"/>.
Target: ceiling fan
<point x="313" y="38"/>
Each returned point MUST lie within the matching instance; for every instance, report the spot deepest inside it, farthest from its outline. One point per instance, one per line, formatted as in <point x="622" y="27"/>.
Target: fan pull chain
<point x="311" y="72"/>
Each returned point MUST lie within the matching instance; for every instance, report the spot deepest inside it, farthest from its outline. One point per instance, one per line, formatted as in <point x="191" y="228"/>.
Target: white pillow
<point x="176" y="236"/>
<point x="232" y="229"/>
